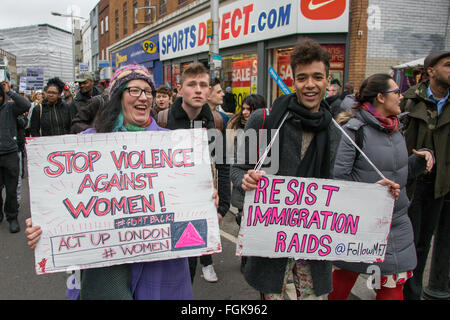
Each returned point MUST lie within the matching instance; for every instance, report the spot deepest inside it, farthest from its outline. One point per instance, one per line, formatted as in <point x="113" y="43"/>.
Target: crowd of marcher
<point x="405" y="135"/>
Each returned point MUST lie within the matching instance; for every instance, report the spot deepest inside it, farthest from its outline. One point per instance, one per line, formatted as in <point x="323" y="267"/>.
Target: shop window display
<point x="240" y="73"/>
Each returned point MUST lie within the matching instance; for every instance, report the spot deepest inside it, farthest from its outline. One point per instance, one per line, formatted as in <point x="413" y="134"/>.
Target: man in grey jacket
<point x="9" y="158"/>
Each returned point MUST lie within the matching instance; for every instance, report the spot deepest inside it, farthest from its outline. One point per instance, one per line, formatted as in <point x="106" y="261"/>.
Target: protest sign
<point x="318" y="219"/>
<point x="3" y="76"/>
<point x="105" y="199"/>
<point x="35" y="79"/>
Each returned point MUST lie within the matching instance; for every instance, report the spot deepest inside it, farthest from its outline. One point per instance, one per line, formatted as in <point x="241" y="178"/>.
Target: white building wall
<point x="41" y="46"/>
<point x="403" y="30"/>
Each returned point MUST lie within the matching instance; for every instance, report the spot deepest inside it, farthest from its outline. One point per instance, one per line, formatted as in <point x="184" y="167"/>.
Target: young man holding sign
<point x="307" y="143"/>
<point x="189" y="111"/>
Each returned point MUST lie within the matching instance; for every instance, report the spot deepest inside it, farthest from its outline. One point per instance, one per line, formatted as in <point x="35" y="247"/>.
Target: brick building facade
<point x="380" y="34"/>
<point x="358" y="42"/>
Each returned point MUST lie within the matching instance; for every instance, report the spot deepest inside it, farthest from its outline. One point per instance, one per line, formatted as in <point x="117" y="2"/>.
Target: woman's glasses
<point x="136" y="92"/>
<point x="396" y="91"/>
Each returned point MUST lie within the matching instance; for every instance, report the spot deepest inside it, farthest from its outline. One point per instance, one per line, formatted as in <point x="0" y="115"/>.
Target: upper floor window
<point x="125" y="18"/>
<point x="133" y="13"/>
<point x="162" y="7"/>
<point x="116" y="23"/>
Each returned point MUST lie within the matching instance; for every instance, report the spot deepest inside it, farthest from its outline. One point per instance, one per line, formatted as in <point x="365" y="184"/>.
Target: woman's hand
<point x="216" y="203"/>
<point x="215" y="196"/>
<point x="250" y="180"/>
<point x="394" y="188"/>
<point x="428" y="157"/>
<point x="33" y="234"/>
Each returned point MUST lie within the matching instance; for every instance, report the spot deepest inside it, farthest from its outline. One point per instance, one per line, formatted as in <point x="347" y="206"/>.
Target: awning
<point x="410" y="64"/>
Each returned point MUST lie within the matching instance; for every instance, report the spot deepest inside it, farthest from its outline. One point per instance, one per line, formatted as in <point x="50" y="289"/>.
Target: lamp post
<point x="71" y="16"/>
<point x="214" y="44"/>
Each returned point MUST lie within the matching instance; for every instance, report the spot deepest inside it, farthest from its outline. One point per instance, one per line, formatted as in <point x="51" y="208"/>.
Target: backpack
<point x="359" y="140"/>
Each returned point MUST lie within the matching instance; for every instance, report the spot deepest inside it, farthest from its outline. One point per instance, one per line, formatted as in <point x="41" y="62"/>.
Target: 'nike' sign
<point x="326" y="10"/>
<point x="313" y="6"/>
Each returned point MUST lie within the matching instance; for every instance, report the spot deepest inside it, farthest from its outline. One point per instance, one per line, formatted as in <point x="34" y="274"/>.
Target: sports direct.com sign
<point x="249" y="21"/>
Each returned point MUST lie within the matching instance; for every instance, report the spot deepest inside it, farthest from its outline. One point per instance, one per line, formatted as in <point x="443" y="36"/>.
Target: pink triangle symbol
<point x="190" y="238"/>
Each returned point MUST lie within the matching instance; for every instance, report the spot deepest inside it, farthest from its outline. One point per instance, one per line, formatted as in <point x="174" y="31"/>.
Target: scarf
<point x="243" y="122"/>
<point x="316" y="162"/>
<point x="129" y="127"/>
<point x="389" y="123"/>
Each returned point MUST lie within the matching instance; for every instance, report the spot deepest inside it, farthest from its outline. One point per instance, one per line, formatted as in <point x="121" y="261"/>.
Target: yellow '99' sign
<point x="149" y="46"/>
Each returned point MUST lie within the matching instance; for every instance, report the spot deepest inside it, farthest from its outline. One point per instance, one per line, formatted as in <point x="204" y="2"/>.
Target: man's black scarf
<point x="316" y="162"/>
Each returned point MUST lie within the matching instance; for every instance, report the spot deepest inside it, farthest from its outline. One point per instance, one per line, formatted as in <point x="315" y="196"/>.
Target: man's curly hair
<point x="306" y="51"/>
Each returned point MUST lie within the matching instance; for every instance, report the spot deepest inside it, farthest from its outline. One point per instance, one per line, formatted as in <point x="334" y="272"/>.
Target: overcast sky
<point x="19" y="13"/>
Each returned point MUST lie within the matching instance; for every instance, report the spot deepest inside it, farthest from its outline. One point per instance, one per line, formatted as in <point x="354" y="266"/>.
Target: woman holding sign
<point x="129" y="110"/>
<point x="375" y="127"/>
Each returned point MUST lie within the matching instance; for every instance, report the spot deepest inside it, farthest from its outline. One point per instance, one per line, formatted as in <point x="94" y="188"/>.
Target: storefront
<point x="145" y="52"/>
<point x="255" y="35"/>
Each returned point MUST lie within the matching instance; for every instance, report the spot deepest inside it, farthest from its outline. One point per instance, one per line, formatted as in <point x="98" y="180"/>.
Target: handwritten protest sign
<point x="105" y="199"/>
<point x="316" y="219"/>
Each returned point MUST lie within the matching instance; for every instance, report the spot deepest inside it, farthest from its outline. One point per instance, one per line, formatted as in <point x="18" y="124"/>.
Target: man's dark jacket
<point x="81" y="103"/>
<point x="9" y="111"/>
<point x="50" y="120"/>
<point x="424" y="129"/>
<point x="85" y="117"/>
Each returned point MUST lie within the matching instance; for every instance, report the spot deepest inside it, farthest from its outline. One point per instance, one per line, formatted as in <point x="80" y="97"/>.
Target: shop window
<point x="167" y="74"/>
<point x="184" y="65"/>
<point x="240" y="72"/>
<point x="337" y="61"/>
<point x="176" y="75"/>
<point x="172" y="74"/>
<point x="282" y="65"/>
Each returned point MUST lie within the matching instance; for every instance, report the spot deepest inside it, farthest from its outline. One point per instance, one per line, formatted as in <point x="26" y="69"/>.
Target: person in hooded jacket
<point x="375" y="121"/>
<point x="53" y="117"/>
<point x="9" y="158"/>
